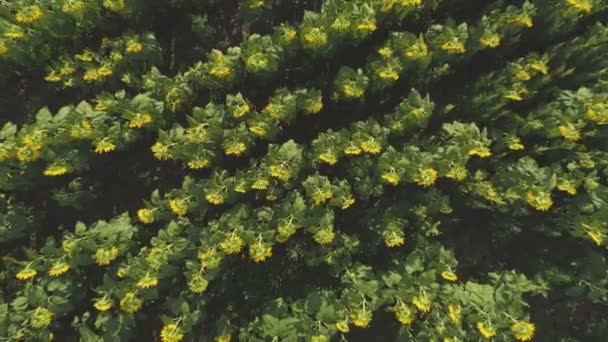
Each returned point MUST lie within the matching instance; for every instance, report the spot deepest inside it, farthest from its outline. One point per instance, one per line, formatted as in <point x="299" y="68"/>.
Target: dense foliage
<point x="304" y="170"/>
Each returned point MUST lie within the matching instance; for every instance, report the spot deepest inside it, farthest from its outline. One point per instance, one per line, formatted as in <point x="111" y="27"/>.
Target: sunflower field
<point x="304" y="170"/>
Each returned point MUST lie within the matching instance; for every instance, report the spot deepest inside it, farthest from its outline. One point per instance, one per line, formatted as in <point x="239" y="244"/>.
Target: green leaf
<point x="44" y="115"/>
<point x="4" y="322"/>
<point x="392" y="279"/>
<point x="278" y="327"/>
<point x="313" y="303"/>
<point x="178" y="306"/>
<point x="80" y="229"/>
<point x="8" y="130"/>
<point x="36" y="296"/>
<point x="19" y="304"/>
<point x="84" y="108"/>
<point x="327" y="312"/>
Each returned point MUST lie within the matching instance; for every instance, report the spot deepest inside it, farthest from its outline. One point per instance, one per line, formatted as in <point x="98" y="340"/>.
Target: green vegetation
<point x="305" y="170"/>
